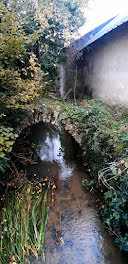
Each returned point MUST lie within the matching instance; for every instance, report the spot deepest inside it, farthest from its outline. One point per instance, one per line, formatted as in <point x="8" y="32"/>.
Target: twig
<point x="14" y="167"/>
<point x="75" y="86"/>
<point x="105" y="174"/>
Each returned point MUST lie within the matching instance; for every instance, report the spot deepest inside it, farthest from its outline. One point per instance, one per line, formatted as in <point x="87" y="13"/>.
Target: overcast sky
<point x="99" y="11"/>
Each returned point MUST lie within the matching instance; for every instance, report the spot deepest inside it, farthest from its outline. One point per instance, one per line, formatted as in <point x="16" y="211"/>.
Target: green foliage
<point x="115" y="212"/>
<point x="3" y="167"/>
<point x="12" y="116"/>
<point x="7" y="139"/>
<point x="23" y="221"/>
<point x="115" y="209"/>
<point x="104" y="131"/>
<point x="32" y="34"/>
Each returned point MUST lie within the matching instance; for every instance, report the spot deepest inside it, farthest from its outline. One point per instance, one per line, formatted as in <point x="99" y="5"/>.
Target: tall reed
<point x="23" y="221"/>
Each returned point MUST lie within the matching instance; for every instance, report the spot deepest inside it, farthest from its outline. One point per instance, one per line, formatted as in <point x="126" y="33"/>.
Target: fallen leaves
<point x="29" y="247"/>
<point x="54" y="186"/>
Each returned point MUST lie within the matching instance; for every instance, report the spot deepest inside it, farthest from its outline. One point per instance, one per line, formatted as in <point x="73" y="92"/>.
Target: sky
<point x="99" y="11"/>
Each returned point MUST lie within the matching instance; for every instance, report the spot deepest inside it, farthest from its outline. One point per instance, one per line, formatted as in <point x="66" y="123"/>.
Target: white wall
<point x="103" y="69"/>
<point x="108" y="68"/>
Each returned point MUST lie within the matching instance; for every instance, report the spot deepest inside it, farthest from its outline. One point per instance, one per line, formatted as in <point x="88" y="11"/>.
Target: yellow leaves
<point x="13" y="261"/>
<point x="102" y="206"/>
<point x="32" y="62"/>
<point x="54" y="186"/>
<point x="34" y="246"/>
<point x="2" y="154"/>
<point x="45" y="74"/>
<point x="11" y="37"/>
<point x="48" y="36"/>
<point x="119" y="171"/>
<point x="1" y="138"/>
<point x="32" y="250"/>
<point x="126" y="164"/>
<point x="29" y="247"/>
<point x="46" y="178"/>
<point x="29" y="77"/>
<point x="7" y="139"/>
<point x="66" y="34"/>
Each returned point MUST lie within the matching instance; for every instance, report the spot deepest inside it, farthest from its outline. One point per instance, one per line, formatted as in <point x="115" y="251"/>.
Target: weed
<point x="23" y="221"/>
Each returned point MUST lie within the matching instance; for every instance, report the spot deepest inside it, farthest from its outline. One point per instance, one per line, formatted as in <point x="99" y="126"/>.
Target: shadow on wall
<point x="74" y="79"/>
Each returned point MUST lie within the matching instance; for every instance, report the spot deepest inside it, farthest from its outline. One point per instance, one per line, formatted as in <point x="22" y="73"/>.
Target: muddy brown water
<point x="74" y="232"/>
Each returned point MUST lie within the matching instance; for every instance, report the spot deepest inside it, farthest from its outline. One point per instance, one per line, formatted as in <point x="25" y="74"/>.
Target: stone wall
<point x="51" y="115"/>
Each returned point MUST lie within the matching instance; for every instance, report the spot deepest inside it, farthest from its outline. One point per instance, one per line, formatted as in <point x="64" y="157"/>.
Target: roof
<point x="98" y="32"/>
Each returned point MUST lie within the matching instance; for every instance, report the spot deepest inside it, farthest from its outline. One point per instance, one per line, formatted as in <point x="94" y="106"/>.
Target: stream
<point x="74" y="232"/>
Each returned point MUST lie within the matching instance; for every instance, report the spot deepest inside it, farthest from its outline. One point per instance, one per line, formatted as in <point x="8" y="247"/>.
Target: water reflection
<point x="51" y="150"/>
<point x="74" y="233"/>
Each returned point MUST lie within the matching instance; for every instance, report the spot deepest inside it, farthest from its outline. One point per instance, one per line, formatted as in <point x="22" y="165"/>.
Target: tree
<point x="32" y="34"/>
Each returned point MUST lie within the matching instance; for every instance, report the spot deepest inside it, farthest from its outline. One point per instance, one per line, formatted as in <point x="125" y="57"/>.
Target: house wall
<point x="103" y="69"/>
<point x="107" y="66"/>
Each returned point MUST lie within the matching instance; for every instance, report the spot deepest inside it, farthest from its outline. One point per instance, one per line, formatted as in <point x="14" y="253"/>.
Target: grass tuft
<point x="23" y="221"/>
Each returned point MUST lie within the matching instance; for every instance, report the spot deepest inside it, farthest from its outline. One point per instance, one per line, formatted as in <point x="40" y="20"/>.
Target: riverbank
<point x="102" y="133"/>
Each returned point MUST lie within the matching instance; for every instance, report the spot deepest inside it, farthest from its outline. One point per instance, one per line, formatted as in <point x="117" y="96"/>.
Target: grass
<point x="23" y="221"/>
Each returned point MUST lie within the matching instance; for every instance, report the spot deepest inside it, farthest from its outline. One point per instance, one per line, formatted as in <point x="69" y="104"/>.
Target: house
<point x="97" y="63"/>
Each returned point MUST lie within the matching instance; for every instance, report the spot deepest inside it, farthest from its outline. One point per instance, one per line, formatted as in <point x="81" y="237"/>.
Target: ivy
<point x="7" y="139"/>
